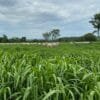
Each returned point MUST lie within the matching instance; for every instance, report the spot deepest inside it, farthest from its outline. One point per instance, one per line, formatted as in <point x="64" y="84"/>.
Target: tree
<point x="55" y="33"/>
<point x="51" y="35"/>
<point x="89" y="37"/>
<point x="23" y="39"/>
<point x="96" y="22"/>
<point x="46" y="36"/>
<point x="4" y="38"/>
<point x="14" y="40"/>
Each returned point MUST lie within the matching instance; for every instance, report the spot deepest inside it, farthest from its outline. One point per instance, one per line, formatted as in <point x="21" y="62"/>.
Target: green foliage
<point x="46" y="36"/>
<point x="55" y="33"/>
<point x="4" y="39"/>
<point x="23" y="39"/>
<point x="66" y="72"/>
<point x="96" y="22"/>
<point x="89" y="37"/>
<point x="52" y="35"/>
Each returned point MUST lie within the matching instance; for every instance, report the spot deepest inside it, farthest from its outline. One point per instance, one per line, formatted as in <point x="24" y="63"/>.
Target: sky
<point x="31" y="18"/>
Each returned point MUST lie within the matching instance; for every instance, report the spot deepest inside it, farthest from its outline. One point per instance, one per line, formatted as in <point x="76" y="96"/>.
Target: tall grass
<point x="32" y="76"/>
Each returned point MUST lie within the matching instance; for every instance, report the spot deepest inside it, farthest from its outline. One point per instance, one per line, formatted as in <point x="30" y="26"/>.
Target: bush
<point x="89" y="37"/>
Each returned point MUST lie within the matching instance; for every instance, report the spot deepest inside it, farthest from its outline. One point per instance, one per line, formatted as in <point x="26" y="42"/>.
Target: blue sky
<point x="31" y="18"/>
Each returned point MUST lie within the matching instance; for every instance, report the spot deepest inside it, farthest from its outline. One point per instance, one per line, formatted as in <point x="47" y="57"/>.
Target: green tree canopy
<point x="55" y="33"/>
<point x="95" y="21"/>
<point x="4" y="38"/>
<point x="46" y="36"/>
<point x="89" y="37"/>
<point x="52" y="35"/>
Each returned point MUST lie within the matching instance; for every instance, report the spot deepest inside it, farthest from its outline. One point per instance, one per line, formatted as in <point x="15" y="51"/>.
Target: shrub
<point x="89" y="37"/>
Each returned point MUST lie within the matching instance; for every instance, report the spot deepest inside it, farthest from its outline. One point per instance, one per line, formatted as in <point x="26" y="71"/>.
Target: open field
<point x="63" y="72"/>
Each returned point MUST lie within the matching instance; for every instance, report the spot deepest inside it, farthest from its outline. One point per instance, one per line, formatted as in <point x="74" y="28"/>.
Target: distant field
<point x="63" y="72"/>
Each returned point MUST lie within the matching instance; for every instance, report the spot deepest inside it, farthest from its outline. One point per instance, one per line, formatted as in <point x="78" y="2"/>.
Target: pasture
<point x="38" y="72"/>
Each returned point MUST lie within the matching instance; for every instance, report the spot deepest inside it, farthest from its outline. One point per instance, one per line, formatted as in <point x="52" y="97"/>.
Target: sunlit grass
<point x="65" y="72"/>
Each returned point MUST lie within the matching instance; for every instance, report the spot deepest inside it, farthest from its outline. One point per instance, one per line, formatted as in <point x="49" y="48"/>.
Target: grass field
<point x="64" y="72"/>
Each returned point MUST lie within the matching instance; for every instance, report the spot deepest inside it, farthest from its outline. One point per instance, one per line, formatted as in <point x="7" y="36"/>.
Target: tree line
<point x="5" y="39"/>
<point x="86" y="37"/>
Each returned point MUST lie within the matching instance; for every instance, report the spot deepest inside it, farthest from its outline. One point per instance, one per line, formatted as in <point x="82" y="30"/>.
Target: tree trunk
<point x="98" y="33"/>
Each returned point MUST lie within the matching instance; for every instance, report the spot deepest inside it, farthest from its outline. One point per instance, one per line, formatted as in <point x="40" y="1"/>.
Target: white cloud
<point x="29" y="9"/>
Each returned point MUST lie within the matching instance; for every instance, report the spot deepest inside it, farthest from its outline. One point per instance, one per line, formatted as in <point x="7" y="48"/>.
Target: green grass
<point x="65" y="72"/>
